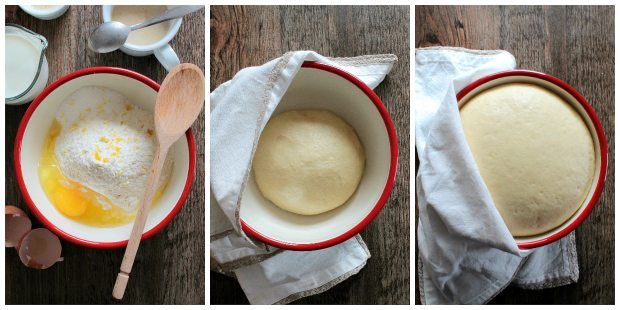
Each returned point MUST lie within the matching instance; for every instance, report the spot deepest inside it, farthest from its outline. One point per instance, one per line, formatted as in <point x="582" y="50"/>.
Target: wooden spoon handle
<point x="139" y="223"/>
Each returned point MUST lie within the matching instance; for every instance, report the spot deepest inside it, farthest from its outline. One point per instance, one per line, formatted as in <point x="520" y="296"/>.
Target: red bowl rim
<point x="20" y="178"/>
<point x="600" y="133"/>
<point x="385" y="115"/>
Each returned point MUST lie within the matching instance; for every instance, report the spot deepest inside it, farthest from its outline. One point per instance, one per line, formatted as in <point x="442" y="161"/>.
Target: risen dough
<point x="308" y="161"/>
<point x="534" y="152"/>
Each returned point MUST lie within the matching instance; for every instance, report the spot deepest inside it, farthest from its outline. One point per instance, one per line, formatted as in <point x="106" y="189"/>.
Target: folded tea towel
<point x="240" y="108"/>
<point x="467" y="255"/>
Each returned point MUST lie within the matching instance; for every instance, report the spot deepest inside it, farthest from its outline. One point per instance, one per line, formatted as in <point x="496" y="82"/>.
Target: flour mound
<point x="107" y="144"/>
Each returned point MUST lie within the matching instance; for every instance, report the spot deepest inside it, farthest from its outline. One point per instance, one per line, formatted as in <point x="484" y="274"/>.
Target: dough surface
<point x="308" y="161"/>
<point x="535" y="154"/>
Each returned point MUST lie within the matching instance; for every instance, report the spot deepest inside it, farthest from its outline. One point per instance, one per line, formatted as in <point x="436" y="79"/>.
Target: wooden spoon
<point x="179" y="102"/>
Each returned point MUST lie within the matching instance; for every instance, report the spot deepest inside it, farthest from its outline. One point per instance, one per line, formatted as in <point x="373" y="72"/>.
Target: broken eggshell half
<point x="39" y="249"/>
<point x="16" y="225"/>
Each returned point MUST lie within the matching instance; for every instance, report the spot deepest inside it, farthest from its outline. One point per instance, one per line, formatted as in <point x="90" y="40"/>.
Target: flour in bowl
<point x="107" y="144"/>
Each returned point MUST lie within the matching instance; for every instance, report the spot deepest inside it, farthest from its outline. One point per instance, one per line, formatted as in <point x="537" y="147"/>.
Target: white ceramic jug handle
<point x="167" y="57"/>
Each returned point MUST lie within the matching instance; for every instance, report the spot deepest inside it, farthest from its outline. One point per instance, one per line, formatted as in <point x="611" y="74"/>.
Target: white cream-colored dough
<point x="534" y="152"/>
<point x="308" y="161"/>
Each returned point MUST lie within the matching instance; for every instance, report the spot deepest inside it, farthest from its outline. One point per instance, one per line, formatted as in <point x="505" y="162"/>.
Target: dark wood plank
<point x="575" y="44"/>
<point x="169" y="268"/>
<point x="244" y="36"/>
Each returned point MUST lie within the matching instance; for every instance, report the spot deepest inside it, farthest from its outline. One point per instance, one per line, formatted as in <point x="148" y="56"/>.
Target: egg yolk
<point x="74" y="200"/>
<point x="68" y="201"/>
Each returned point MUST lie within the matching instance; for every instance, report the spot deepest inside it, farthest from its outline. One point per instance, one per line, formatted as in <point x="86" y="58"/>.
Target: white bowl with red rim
<point x="581" y="105"/>
<point x="34" y="128"/>
<point x="321" y="86"/>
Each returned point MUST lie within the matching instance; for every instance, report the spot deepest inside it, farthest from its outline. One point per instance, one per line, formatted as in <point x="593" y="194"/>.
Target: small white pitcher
<point x="39" y="79"/>
<point x="161" y="49"/>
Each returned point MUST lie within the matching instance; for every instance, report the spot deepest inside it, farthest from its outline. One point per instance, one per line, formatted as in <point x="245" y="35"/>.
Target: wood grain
<point x="575" y="44"/>
<point x="170" y="266"/>
<point x="243" y="36"/>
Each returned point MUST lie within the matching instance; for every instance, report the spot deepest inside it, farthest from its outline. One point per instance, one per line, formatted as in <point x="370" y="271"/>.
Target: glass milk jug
<point x="26" y="70"/>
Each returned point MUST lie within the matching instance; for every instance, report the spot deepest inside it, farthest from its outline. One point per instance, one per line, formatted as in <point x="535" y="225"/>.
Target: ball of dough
<point x="534" y="152"/>
<point x="308" y="161"/>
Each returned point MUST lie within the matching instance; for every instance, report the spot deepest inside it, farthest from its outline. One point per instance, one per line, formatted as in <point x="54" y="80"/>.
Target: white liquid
<point x="22" y="62"/>
<point x="133" y="14"/>
<point x="45" y="7"/>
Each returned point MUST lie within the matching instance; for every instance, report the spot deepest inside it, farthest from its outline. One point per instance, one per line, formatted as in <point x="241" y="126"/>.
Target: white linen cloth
<point x="467" y="255"/>
<point x="240" y="108"/>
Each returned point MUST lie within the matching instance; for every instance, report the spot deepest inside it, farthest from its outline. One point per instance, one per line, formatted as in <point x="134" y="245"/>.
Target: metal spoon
<point x="111" y="35"/>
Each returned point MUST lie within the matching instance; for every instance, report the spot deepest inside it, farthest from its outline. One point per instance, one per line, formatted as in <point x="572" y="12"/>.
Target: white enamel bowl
<point x="319" y="86"/>
<point x="35" y="126"/>
<point x="579" y="103"/>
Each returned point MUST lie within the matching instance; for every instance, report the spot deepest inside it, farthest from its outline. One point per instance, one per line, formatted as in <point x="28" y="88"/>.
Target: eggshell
<point x="39" y="249"/>
<point x="16" y="225"/>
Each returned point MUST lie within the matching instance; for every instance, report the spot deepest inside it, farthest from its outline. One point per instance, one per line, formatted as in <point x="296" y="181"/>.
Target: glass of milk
<point x="26" y="69"/>
<point x="45" y="12"/>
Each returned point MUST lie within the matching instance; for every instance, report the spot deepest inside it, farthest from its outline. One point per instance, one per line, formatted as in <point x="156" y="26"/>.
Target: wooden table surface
<point x="252" y="35"/>
<point x="575" y="44"/>
<point x="169" y="268"/>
